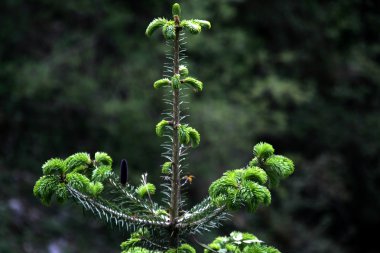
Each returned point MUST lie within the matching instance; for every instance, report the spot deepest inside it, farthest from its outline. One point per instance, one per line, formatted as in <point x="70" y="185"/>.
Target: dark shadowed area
<point x="304" y="76"/>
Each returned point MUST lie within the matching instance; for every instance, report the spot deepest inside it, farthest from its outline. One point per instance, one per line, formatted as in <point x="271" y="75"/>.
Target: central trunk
<point x="175" y="182"/>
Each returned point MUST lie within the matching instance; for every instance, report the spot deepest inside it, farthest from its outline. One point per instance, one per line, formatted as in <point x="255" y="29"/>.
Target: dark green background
<point x="77" y="75"/>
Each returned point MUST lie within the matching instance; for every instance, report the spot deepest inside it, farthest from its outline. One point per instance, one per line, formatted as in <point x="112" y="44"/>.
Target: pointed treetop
<point x="194" y="26"/>
<point x="176" y="9"/>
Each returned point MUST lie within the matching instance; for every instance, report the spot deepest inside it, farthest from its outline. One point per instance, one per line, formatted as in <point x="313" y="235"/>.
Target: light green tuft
<point x="176" y="9"/>
<point x="154" y="25"/>
<point x="78" y="162"/>
<point x="183" y="71"/>
<point x="101" y="173"/>
<point x="53" y="165"/>
<point x="168" y="30"/>
<point x="194" y="83"/>
<point x="77" y="181"/>
<point x="192" y="26"/>
<point x="203" y="23"/>
<point x="263" y="150"/>
<point x="184" y="248"/>
<point x="160" y="83"/>
<point x="176" y="82"/>
<point x="160" y="127"/>
<point x="95" y="188"/>
<point x="45" y="187"/>
<point x="166" y="168"/>
<point x="102" y="158"/>
<point x="195" y="137"/>
<point x="145" y="189"/>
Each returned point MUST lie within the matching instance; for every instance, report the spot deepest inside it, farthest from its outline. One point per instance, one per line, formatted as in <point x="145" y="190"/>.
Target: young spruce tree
<point x="166" y="226"/>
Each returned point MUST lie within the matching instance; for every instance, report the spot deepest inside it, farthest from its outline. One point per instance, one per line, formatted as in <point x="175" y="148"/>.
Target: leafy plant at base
<point x="166" y="227"/>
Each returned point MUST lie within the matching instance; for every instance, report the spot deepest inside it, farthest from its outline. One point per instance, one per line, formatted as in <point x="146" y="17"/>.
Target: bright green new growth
<point x="146" y="189"/>
<point x="166" y="168"/>
<point x="239" y="242"/>
<point x="74" y="172"/>
<point x="166" y="226"/>
<point x="160" y="127"/>
<point x="161" y="83"/>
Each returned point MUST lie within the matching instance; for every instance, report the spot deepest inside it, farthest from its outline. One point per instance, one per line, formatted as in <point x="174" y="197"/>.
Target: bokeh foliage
<point x="302" y="75"/>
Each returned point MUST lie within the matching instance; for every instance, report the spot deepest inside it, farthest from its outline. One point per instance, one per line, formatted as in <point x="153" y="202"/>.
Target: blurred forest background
<point x="77" y="75"/>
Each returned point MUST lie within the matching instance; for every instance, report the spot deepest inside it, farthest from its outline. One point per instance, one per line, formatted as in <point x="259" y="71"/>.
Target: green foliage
<point x="203" y="23"/>
<point x="194" y="83"/>
<point x="277" y="167"/>
<point x="184" y="135"/>
<point x="95" y="188"/>
<point x="160" y="127"/>
<point x="154" y="25"/>
<point x="134" y="239"/>
<point x="184" y="248"/>
<point x="77" y="181"/>
<point x="138" y="250"/>
<point x="53" y="165"/>
<point x="192" y="26"/>
<point x="162" y="82"/>
<point x="237" y="188"/>
<point x="78" y="162"/>
<point x="101" y="173"/>
<point x="102" y="158"/>
<point x="239" y="242"/>
<point x="146" y="189"/>
<point x="256" y="174"/>
<point x="183" y="71"/>
<point x="176" y="9"/>
<point x="263" y="150"/>
<point x="188" y="135"/>
<point x="166" y="168"/>
<point x="169" y="31"/>
<point x="176" y="82"/>
<point x="62" y="194"/>
<point x="195" y="26"/>
<point x="195" y="137"/>
<point x="45" y="187"/>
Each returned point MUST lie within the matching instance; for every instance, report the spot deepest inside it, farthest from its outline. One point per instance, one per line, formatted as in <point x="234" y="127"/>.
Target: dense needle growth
<point x="91" y="182"/>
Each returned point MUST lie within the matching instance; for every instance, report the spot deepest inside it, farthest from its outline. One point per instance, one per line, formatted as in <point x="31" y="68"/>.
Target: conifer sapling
<point x="167" y="226"/>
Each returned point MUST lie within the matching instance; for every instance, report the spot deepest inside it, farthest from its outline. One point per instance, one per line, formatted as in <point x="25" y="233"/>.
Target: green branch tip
<point x="203" y="23"/>
<point x="238" y="188"/>
<point x="239" y="242"/>
<point x="79" y="161"/>
<point x="53" y="165"/>
<point x="176" y="9"/>
<point x="162" y="82"/>
<point x="195" y="137"/>
<point x="160" y="127"/>
<point x="192" y="26"/>
<point x="184" y="248"/>
<point x="176" y="82"/>
<point x="166" y="168"/>
<point x="102" y="158"/>
<point x="183" y="71"/>
<point x="188" y="135"/>
<point x="263" y="150"/>
<point x="101" y="173"/>
<point x="95" y="188"/>
<point x="194" y="83"/>
<point x="154" y="25"/>
<point x="168" y="30"/>
<point x="145" y="189"/>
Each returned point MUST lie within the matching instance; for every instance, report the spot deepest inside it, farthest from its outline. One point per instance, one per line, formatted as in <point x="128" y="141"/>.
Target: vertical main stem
<point x="175" y="182"/>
